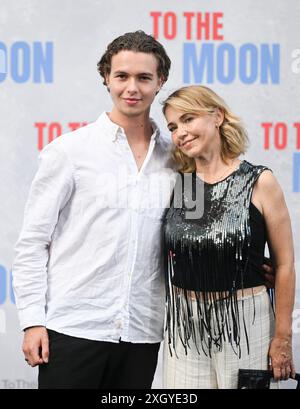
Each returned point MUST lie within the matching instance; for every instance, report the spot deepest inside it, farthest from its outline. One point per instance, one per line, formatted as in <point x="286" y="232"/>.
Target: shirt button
<point x="118" y="324"/>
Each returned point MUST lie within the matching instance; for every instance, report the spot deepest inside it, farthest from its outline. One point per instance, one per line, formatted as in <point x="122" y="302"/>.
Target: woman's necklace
<point x="224" y="173"/>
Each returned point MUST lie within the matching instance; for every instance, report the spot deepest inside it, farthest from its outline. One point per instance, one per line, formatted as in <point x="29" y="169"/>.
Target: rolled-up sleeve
<point x="51" y="189"/>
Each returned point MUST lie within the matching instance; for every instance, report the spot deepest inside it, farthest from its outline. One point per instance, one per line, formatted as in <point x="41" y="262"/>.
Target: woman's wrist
<point x="283" y="334"/>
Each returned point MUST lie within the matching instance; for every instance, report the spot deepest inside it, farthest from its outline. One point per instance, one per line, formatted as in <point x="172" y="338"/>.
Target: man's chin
<point x="133" y="112"/>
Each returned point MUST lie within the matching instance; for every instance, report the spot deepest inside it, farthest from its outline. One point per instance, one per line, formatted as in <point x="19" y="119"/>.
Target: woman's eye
<point x="188" y="119"/>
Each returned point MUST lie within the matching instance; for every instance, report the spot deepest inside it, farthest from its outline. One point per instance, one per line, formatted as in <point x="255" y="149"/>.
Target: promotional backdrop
<point x="247" y="51"/>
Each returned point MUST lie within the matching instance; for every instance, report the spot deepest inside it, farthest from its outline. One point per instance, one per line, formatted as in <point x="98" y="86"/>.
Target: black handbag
<point x="258" y="379"/>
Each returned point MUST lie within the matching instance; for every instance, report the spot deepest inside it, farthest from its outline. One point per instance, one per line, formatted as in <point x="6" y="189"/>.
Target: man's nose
<point x="132" y="86"/>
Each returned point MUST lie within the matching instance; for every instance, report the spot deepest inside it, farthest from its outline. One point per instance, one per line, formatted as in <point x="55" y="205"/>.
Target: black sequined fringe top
<point x="211" y="255"/>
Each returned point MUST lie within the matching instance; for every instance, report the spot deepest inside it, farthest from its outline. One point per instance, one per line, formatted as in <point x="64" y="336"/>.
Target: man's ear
<point x="161" y="82"/>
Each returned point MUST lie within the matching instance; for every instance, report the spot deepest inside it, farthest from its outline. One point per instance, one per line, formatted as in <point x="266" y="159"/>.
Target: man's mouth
<point x="131" y="101"/>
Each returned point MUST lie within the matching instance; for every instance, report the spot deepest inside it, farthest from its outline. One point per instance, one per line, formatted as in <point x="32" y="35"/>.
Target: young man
<point x="87" y="274"/>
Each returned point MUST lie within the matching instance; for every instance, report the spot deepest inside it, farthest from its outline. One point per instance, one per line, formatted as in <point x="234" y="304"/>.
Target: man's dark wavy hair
<point x="137" y="41"/>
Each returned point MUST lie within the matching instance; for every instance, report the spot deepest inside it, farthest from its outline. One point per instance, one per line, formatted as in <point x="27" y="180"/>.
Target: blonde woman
<point x="219" y="314"/>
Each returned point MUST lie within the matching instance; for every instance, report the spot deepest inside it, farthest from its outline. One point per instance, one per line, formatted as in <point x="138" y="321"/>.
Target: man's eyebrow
<point x="148" y="74"/>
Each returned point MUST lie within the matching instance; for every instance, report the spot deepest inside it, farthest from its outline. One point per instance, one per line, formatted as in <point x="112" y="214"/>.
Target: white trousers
<point x="220" y="371"/>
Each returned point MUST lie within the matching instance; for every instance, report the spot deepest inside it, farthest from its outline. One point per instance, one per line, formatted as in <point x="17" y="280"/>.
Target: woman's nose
<point x="182" y="131"/>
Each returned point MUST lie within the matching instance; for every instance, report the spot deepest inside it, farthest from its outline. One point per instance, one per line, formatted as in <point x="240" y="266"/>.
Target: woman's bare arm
<point x="269" y="197"/>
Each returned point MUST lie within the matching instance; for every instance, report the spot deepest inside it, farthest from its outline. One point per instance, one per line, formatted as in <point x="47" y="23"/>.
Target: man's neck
<point x="138" y="129"/>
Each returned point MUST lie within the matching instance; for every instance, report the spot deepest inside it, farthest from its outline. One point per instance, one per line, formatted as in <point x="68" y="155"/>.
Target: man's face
<point x="133" y="82"/>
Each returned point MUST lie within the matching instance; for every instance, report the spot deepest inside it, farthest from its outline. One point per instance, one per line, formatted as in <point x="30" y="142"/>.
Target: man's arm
<point x="268" y="272"/>
<point x="50" y="190"/>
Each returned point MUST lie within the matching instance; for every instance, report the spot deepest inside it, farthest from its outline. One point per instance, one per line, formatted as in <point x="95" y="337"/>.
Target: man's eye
<point x="145" y="78"/>
<point x="122" y="76"/>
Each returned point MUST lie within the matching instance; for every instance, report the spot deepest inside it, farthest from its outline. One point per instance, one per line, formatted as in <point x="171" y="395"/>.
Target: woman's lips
<point x="187" y="143"/>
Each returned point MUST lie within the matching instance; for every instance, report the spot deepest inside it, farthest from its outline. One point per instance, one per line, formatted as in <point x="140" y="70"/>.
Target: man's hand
<point x="269" y="273"/>
<point x="36" y="346"/>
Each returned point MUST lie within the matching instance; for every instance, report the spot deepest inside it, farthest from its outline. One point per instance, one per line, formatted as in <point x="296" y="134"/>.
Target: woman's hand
<point x="281" y="358"/>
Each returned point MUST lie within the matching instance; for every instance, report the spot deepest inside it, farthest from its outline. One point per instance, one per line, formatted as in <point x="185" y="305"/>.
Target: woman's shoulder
<point x="267" y="190"/>
<point x="251" y="167"/>
<point x="264" y="177"/>
<point x="261" y="175"/>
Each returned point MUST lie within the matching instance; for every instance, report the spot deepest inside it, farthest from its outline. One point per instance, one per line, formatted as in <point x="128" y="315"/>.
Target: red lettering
<point x="267" y="126"/>
<point x="155" y="15"/>
<point x="297" y="126"/>
<point x="202" y="25"/>
<point x="188" y="29"/>
<point x="216" y="26"/>
<point x="208" y="25"/>
<point x="54" y="131"/>
<point x="170" y="25"/>
<point x="40" y="126"/>
<point x="280" y="136"/>
<point x="75" y="125"/>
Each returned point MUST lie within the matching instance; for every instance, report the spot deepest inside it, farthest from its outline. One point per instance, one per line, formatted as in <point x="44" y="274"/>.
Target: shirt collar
<point x="114" y="131"/>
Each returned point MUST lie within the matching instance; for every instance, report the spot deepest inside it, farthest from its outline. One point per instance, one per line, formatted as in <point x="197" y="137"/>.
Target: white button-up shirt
<point x="89" y="257"/>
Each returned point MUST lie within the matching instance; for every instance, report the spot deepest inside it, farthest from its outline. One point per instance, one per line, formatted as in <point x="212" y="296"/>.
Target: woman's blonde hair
<point x="199" y="100"/>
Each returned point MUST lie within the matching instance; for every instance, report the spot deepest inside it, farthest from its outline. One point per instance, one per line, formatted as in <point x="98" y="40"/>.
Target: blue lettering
<point x="43" y="62"/>
<point x="296" y="172"/>
<point x="205" y="61"/>
<point x="226" y="50"/>
<point x="27" y="62"/>
<point x="270" y="64"/>
<point x="3" y="285"/>
<point x="11" y="290"/>
<point x="3" y="62"/>
<point x="20" y="61"/>
<point x="248" y="61"/>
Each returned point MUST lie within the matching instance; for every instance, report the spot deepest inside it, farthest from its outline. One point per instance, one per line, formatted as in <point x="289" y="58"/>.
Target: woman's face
<point x="194" y="135"/>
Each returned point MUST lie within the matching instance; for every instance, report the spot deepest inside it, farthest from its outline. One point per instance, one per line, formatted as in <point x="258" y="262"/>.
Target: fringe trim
<point x="215" y="319"/>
